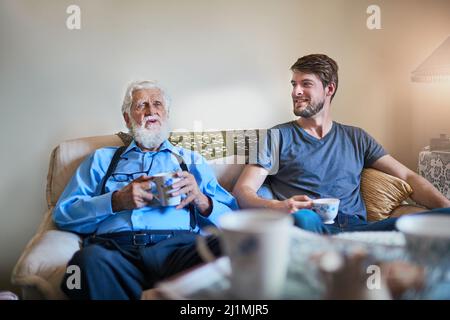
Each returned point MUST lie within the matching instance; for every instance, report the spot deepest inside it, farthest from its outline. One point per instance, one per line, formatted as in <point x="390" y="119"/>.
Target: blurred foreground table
<point x="209" y="281"/>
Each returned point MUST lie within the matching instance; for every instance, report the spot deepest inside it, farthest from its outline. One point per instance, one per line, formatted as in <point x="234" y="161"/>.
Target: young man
<point x="320" y="158"/>
<point x="131" y="240"/>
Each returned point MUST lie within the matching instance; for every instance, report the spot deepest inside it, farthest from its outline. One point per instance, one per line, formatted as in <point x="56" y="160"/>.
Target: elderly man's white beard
<point x="152" y="137"/>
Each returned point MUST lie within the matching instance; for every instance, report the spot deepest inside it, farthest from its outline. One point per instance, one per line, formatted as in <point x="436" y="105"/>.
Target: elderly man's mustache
<point x="152" y="119"/>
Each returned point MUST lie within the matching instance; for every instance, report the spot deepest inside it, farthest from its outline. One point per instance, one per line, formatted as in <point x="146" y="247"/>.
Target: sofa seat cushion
<point x="405" y="209"/>
<point x="43" y="263"/>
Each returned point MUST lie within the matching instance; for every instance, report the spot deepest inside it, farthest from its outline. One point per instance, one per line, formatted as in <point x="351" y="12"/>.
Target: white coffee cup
<point x="257" y="243"/>
<point x="427" y="237"/>
<point x="326" y="208"/>
<point x="163" y="185"/>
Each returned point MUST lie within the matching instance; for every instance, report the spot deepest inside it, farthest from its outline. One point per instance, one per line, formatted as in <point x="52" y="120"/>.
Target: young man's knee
<point x="306" y="218"/>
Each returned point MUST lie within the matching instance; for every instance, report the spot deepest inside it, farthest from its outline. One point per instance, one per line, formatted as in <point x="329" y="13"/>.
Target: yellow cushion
<point x="382" y="193"/>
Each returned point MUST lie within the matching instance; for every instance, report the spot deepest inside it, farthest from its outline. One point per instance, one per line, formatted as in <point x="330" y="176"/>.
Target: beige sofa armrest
<point x="405" y="209"/>
<point x="43" y="263"/>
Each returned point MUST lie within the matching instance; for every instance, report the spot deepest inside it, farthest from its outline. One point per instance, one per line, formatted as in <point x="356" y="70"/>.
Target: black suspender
<point x="193" y="216"/>
<point x="112" y="166"/>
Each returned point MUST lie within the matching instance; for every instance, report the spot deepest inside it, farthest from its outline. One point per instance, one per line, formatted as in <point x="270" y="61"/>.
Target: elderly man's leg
<point x="104" y="274"/>
<point x="310" y="221"/>
<point x="174" y="255"/>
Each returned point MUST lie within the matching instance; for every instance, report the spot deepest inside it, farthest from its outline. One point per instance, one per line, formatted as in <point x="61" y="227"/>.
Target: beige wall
<point x="225" y="63"/>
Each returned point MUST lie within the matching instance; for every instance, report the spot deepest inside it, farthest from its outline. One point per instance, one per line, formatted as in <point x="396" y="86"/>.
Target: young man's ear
<point x="127" y="120"/>
<point x="331" y="89"/>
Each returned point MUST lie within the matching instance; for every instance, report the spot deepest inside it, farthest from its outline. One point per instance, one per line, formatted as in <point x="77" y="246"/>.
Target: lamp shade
<point x="436" y="68"/>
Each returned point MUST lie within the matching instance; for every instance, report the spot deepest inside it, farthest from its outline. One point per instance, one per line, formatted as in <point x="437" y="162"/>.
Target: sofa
<point x="42" y="264"/>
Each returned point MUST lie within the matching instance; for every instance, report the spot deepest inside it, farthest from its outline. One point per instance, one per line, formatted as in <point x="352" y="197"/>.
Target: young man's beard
<point x="152" y="137"/>
<point x="310" y="110"/>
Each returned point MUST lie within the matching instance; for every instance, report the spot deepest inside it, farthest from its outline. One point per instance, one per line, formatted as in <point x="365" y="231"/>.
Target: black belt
<point x="138" y="238"/>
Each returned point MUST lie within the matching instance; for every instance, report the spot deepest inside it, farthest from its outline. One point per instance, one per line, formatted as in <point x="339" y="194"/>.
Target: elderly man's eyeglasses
<point x="124" y="177"/>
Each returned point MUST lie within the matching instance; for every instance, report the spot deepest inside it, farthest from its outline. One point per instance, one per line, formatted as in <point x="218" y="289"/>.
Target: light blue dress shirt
<point x="82" y="209"/>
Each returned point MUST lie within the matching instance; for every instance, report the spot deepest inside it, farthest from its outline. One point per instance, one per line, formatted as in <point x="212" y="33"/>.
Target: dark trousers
<point x="112" y="271"/>
<point x="309" y="220"/>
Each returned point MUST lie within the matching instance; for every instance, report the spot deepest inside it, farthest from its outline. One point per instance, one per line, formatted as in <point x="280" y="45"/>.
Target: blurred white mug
<point x="257" y="243"/>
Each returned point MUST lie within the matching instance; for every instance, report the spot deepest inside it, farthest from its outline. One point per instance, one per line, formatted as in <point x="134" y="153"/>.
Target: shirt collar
<point x="166" y="145"/>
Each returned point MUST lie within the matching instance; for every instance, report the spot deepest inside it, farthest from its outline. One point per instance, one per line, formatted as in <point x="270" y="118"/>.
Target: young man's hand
<point x="295" y="203"/>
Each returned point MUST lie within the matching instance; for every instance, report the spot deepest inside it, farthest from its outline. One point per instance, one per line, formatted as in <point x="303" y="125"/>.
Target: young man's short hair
<point x="321" y="65"/>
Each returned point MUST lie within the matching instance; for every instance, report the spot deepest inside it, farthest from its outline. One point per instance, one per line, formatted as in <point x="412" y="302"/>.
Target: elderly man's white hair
<point x="138" y="85"/>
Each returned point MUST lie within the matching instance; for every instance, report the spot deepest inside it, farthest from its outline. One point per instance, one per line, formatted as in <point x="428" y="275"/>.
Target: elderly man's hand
<point x="188" y="186"/>
<point x="134" y="195"/>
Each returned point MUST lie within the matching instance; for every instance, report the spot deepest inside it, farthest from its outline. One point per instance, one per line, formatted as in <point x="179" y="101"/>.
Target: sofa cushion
<point x="67" y="157"/>
<point x="382" y="193"/>
<point x="42" y="264"/>
<point x="405" y="209"/>
<point x="227" y="170"/>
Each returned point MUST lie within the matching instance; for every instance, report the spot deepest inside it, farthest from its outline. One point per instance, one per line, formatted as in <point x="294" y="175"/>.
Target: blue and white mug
<point x="326" y="208"/>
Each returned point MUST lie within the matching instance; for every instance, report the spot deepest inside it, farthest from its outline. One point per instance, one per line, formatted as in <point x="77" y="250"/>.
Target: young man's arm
<point x="248" y="184"/>
<point x="424" y="192"/>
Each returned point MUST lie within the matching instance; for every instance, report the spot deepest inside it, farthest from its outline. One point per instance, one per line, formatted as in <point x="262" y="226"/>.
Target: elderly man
<point x="320" y="158"/>
<point x="131" y="241"/>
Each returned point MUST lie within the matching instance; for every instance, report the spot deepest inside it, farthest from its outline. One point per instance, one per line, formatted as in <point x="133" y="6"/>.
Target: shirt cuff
<point x="217" y="210"/>
<point x="103" y="204"/>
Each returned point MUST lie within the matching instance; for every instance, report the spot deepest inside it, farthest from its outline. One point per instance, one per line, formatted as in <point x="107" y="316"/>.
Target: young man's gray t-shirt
<point x="320" y="168"/>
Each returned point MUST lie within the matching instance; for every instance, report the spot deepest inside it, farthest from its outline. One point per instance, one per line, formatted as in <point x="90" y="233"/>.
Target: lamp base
<point x="440" y="144"/>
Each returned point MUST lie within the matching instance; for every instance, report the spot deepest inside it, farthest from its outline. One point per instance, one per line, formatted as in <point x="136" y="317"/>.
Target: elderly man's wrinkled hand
<point x="189" y="187"/>
<point x="132" y="196"/>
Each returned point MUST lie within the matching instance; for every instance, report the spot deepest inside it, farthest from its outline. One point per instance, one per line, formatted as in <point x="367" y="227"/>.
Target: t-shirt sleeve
<point x="372" y="149"/>
<point x="269" y="149"/>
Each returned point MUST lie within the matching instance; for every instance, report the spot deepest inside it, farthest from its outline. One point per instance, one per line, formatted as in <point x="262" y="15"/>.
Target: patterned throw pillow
<point x="382" y="193"/>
